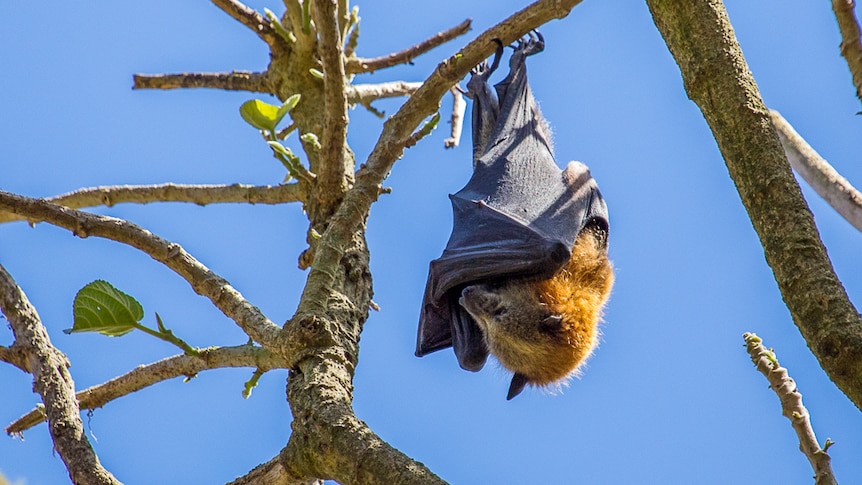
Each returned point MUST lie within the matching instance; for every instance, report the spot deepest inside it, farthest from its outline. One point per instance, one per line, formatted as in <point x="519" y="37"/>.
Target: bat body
<point x="525" y="273"/>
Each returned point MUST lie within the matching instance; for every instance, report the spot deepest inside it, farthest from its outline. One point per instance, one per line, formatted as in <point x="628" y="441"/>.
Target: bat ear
<point x="519" y="381"/>
<point x="599" y="228"/>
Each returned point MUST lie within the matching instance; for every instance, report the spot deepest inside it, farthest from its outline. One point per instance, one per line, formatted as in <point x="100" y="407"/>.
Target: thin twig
<point x="146" y="375"/>
<point x="196" y="194"/>
<point x="53" y="383"/>
<point x="791" y="407"/>
<point x="334" y="166"/>
<point x="366" y="93"/>
<point x="204" y="281"/>
<point x="357" y="65"/>
<point x="824" y="179"/>
<point x="255" y="82"/>
<point x="250" y="18"/>
<point x="459" y="107"/>
<point x="851" y="48"/>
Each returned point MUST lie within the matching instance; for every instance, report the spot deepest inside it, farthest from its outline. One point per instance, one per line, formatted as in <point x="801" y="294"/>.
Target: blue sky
<point x="669" y="397"/>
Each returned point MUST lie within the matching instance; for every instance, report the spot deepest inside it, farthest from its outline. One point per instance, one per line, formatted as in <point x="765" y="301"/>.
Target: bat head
<point x="543" y="330"/>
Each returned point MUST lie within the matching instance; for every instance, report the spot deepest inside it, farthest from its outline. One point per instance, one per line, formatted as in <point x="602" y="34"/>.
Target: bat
<point x="525" y="274"/>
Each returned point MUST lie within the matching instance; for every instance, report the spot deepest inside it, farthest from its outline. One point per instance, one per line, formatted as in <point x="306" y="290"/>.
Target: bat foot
<point x="531" y="44"/>
<point x="483" y="69"/>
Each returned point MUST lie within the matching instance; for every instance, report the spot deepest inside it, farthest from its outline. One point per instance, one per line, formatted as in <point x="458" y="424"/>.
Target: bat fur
<point x="544" y="329"/>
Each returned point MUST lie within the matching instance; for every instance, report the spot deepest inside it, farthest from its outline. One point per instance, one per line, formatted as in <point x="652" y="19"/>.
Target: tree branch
<point x="250" y="18"/>
<point x="51" y="379"/>
<point x="203" y="281"/>
<point x="396" y="133"/>
<point x="357" y="65"/>
<point x="255" y="82"/>
<point x="459" y="107"/>
<point x="851" y="48"/>
<point x="364" y="94"/>
<point x="716" y="77"/>
<point x="792" y="408"/>
<point x="16" y="356"/>
<point x="169" y="368"/>
<point x="196" y="194"/>
<point x="335" y="165"/>
<point x="824" y="179"/>
<point x="272" y="473"/>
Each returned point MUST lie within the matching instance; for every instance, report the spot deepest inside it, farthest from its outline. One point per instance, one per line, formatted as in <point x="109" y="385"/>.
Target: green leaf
<point x="99" y="307"/>
<point x="316" y="73"/>
<point x="287" y="107"/>
<point x="260" y="115"/>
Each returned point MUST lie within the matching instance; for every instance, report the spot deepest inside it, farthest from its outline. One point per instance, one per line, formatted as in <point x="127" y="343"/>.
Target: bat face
<point x="525" y="273"/>
<point x="544" y="329"/>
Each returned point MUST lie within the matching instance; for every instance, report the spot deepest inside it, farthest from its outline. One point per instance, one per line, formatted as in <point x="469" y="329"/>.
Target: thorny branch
<point x="357" y="65"/>
<point x="255" y="82"/>
<point x="824" y="179"/>
<point x="168" y="368"/>
<point x="53" y="383"/>
<point x="196" y="194"/>
<point x="792" y="408"/>
<point x="204" y="281"/>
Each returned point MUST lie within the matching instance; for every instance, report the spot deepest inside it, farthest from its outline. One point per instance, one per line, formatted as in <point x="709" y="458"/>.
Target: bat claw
<point x="531" y="44"/>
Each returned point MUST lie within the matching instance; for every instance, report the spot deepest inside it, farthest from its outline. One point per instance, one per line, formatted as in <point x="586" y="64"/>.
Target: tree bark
<point x="716" y="76"/>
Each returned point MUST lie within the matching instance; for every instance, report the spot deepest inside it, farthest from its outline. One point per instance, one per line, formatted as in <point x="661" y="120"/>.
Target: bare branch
<point x="716" y="77"/>
<point x="357" y="65"/>
<point x="851" y="48"/>
<point x="16" y="356"/>
<point x="824" y="179"/>
<point x="204" y="281"/>
<point x="169" y="368"/>
<point x="366" y="93"/>
<point x="272" y="473"/>
<point x="459" y="107"/>
<point x="791" y="407"/>
<point x="397" y="131"/>
<point x="255" y="82"/>
<point x="51" y="379"/>
<point x="196" y="194"/>
<point x="250" y="18"/>
<point x="335" y="166"/>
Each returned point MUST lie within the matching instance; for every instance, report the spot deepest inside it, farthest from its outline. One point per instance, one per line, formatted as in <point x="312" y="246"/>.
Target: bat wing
<point x="519" y="215"/>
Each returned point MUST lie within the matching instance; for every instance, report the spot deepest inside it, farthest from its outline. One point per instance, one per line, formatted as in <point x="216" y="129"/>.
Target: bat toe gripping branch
<point x="530" y="44"/>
